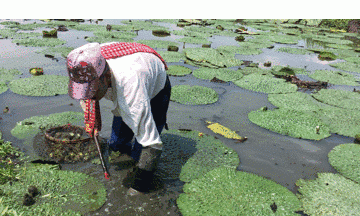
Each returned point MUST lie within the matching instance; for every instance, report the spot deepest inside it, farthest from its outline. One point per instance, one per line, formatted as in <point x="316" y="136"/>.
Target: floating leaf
<point x="193" y="95"/>
<point x="40" y="42"/>
<point x="170" y="56"/>
<point x="178" y="70"/>
<point x="335" y="77"/>
<point x="212" y="56"/>
<point x="225" y="191"/>
<point x="158" y="43"/>
<point x="339" y="98"/>
<point x="294" y="50"/>
<point x="221" y="73"/>
<point x="347" y="66"/>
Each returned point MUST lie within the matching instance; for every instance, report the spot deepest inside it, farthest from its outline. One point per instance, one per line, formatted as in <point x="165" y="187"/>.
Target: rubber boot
<point x="144" y="178"/>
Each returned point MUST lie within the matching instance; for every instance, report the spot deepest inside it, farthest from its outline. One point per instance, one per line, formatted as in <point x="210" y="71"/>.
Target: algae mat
<point x="193" y="95"/>
<point x="225" y="191"/>
<point x="345" y="159"/>
<point x="339" y="98"/>
<point x="61" y="192"/>
<point x="289" y="122"/>
<point x="329" y="194"/>
<point x="44" y="85"/>
<point x="265" y="83"/>
<point x="188" y="155"/>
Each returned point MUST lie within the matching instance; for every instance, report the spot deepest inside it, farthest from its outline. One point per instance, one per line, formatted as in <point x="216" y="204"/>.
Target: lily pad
<point x="341" y="121"/>
<point x="245" y="49"/>
<point x="170" y="56"/>
<point x="279" y="68"/>
<point x="339" y="98"/>
<point x="212" y="56"/>
<point x="294" y="50"/>
<point x="178" y="70"/>
<point x="344" y="158"/>
<point x="221" y="73"/>
<point x="7" y="33"/>
<point x="3" y="87"/>
<point x="284" y="39"/>
<point x="250" y="70"/>
<point x="7" y="75"/>
<point x="339" y="46"/>
<point x="265" y="83"/>
<point x="63" y="51"/>
<point x="107" y="39"/>
<point x="62" y="192"/>
<point x="114" y="34"/>
<point x="39" y="42"/>
<point x="355" y="59"/>
<point x="328" y="56"/>
<point x="194" y="40"/>
<point x="289" y="122"/>
<point x="188" y="155"/>
<point x="347" y="66"/>
<point x="329" y="194"/>
<point x="225" y="191"/>
<point x="193" y="95"/>
<point x="335" y="77"/>
<point x="45" y="85"/>
<point x="157" y="43"/>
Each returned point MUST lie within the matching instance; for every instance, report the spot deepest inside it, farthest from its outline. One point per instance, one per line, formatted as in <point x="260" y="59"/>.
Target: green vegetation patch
<point x="225" y="191"/>
<point x="294" y="50"/>
<point x="199" y="154"/>
<point x="3" y="87"/>
<point x="289" y="122"/>
<point x="61" y="192"/>
<point x="178" y="70"/>
<point x="347" y="66"/>
<point x="250" y="70"/>
<point x="339" y="46"/>
<point x="194" y="40"/>
<point x="107" y="39"/>
<point x="340" y="98"/>
<point x="63" y="51"/>
<point x="326" y="55"/>
<point x="30" y="126"/>
<point x="45" y="85"/>
<point x="284" y="39"/>
<point x="341" y="121"/>
<point x="39" y="42"/>
<point x="266" y="83"/>
<point x="170" y="56"/>
<point x="212" y="56"/>
<point x="220" y="73"/>
<point x="335" y="77"/>
<point x="7" y="33"/>
<point x="157" y="43"/>
<point x="7" y="75"/>
<point x="298" y="101"/>
<point x="193" y="95"/>
<point x="354" y="59"/>
<point x="243" y="49"/>
<point x="329" y="194"/>
<point x="345" y="159"/>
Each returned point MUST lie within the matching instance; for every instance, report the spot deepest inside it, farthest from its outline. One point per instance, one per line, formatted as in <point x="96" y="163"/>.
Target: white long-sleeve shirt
<point x="135" y="80"/>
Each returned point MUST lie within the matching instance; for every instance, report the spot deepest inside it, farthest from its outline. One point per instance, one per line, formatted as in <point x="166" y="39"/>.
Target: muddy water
<point x="274" y="156"/>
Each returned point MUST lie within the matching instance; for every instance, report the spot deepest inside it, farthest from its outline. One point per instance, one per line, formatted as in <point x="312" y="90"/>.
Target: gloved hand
<point x="92" y="116"/>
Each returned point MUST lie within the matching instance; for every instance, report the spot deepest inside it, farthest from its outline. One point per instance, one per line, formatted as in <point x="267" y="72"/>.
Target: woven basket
<point x="49" y="134"/>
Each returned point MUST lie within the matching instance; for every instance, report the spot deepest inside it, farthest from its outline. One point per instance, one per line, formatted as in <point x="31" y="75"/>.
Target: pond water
<point x="280" y="158"/>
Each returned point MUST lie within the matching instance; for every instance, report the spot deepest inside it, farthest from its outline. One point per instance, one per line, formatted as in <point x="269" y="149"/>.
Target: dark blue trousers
<point x="121" y="134"/>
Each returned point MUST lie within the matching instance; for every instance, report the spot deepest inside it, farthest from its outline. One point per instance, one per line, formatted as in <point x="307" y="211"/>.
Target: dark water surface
<point x="280" y="158"/>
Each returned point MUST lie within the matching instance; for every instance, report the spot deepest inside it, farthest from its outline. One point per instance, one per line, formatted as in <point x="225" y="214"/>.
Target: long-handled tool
<point x="106" y="172"/>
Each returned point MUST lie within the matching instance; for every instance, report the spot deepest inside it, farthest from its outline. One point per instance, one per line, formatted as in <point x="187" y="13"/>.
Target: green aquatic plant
<point x="31" y="126"/>
<point x="212" y="57"/>
<point x="341" y="121"/>
<point x="7" y="33"/>
<point x="250" y="70"/>
<point x="338" y="98"/>
<point x="243" y="49"/>
<point x="194" y="40"/>
<point x="328" y="56"/>
<point x="292" y="123"/>
<point x="224" y="74"/>
<point x="108" y="39"/>
<point x="193" y="95"/>
<point x="39" y="42"/>
<point x="294" y="50"/>
<point x="86" y="27"/>
<point x="158" y="43"/>
<point x="63" y="51"/>
<point x="225" y="191"/>
<point x="329" y="194"/>
<point x="178" y="70"/>
<point x="7" y="75"/>
<point x="3" y="87"/>
<point x="170" y="56"/>
<point x="114" y="34"/>
<point x="347" y="66"/>
<point x="284" y="71"/>
<point x="62" y="192"/>
<point x="344" y="158"/>
<point x="353" y="59"/>
<point x="339" y="46"/>
<point x="284" y="39"/>
<point x="200" y="153"/>
<point x="45" y="85"/>
<point x="335" y="77"/>
<point x="266" y="83"/>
